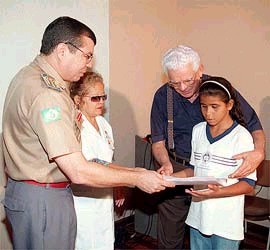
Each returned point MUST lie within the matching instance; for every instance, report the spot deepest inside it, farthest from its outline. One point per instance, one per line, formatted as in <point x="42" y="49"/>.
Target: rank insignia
<point x="51" y="82"/>
<point x="79" y="119"/>
<point x="78" y="124"/>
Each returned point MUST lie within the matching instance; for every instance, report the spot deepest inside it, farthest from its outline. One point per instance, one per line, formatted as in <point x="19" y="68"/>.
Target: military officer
<point x="41" y="149"/>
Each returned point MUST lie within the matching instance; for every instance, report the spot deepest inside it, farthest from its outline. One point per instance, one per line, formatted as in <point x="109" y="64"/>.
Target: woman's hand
<point x="119" y="196"/>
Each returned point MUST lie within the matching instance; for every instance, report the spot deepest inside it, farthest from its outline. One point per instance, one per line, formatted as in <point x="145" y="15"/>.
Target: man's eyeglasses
<point x="97" y="98"/>
<point x="89" y="56"/>
<point x="186" y="82"/>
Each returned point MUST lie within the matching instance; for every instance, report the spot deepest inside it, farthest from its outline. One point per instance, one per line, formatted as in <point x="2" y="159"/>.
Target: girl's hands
<point x="212" y="191"/>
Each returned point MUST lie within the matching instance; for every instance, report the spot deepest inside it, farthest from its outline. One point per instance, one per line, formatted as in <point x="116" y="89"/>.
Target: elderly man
<point x="175" y="110"/>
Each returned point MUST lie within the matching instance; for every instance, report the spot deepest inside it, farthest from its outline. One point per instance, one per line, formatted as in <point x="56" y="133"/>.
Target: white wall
<point x="232" y="38"/>
<point x="22" y="24"/>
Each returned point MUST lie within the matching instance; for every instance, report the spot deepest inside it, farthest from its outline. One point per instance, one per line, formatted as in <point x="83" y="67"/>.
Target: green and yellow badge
<point x="51" y="114"/>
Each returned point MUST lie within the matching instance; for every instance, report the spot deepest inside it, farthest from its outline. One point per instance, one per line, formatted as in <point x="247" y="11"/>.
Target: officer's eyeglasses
<point x="89" y="56"/>
<point x="97" y="98"/>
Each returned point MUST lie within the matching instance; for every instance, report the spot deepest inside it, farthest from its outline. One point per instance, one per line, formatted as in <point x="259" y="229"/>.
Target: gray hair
<point x="179" y="57"/>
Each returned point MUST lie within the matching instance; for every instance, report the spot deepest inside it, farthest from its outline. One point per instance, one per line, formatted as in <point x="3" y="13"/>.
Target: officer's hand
<point x="151" y="182"/>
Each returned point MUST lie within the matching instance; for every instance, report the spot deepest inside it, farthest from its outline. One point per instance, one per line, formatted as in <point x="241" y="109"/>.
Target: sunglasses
<point x="97" y="98"/>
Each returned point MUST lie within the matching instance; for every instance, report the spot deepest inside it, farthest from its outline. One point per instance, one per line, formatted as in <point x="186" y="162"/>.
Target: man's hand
<point x="162" y="158"/>
<point x="166" y="169"/>
<point x="251" y="160"/>
<point x="151" y="182"/>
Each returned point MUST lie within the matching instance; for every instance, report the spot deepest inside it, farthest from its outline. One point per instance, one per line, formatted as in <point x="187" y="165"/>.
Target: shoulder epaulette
<point x="51" y="82"/>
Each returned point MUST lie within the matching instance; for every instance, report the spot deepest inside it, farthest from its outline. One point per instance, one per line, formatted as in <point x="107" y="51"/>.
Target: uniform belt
<point x="64" y="184"/>
<point x="181" y="160"/>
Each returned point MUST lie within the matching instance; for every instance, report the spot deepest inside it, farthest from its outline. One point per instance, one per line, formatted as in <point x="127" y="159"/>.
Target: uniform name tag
<point x="51" y="114"/>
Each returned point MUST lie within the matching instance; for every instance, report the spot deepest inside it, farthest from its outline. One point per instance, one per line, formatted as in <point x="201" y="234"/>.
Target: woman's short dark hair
<point x="64" y="29"/>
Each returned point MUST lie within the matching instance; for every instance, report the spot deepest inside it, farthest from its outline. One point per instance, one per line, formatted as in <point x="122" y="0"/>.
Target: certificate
<point x="196" y="180"/>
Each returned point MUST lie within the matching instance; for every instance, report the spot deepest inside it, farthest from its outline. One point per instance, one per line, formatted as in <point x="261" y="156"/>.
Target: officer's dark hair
<point x="65" y="29"/>
<point x="219" y="86"/>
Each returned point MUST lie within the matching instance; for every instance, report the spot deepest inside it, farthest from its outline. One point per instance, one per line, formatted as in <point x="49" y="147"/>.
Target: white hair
<point x="179" y="57"/>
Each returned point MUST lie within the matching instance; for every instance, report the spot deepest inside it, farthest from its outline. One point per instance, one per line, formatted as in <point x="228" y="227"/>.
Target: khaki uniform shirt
<point x="38" y="124"/>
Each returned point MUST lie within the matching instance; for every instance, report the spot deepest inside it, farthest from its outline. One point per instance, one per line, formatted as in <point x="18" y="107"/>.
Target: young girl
<point x="216" y="213"/>
<point x="94" y="206"/>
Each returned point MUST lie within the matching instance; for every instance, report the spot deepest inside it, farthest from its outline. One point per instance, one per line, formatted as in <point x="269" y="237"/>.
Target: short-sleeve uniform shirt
<point x="38" y="124"/>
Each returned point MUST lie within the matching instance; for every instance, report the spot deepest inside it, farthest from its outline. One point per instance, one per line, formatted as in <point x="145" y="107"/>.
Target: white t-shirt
<point x="213" y="157"/>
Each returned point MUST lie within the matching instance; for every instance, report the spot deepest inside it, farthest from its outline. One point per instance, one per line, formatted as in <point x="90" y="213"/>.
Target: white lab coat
<point x="94" y="206"/>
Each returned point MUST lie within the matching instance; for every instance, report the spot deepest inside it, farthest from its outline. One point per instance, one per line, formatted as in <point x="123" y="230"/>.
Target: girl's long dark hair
<point x="210" y="87"/>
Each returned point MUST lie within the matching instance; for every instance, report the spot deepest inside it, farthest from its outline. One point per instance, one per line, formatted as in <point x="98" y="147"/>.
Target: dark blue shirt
<point x="186" y="115"/>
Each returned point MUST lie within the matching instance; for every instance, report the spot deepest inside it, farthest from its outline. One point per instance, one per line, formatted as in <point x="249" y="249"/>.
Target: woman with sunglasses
<point x="94" y="206"/>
